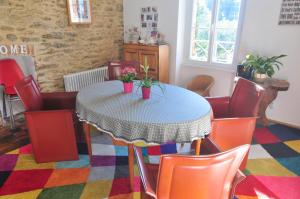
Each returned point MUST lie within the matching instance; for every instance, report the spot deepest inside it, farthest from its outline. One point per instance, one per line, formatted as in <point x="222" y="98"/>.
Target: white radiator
<point x="77" y="81"/>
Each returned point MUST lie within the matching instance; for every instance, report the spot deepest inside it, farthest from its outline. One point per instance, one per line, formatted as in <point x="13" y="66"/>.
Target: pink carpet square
<point x="120" y="186"/>
<point x="26" y="149"/>
<point x="154" y="150"/>
<point x="264" y="136"/>
<point x="252" y="187"/>
<point x="284" y="187"/>
<point x="23" y="181"/>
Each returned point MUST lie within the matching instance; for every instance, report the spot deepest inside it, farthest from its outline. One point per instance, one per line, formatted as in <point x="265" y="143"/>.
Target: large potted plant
<point x="263" y="66"/>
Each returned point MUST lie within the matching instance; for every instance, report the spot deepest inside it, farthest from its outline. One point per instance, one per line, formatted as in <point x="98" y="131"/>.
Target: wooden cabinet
<point x="157" y="58"/>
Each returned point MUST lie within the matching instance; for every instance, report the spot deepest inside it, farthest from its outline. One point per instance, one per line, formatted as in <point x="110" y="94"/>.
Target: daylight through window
<point x="214" y="30"/>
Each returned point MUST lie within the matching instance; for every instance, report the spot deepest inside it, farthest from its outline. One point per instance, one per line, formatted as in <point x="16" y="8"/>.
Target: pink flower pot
<point x="146" y="92"/>
<point x="128" y="86"/>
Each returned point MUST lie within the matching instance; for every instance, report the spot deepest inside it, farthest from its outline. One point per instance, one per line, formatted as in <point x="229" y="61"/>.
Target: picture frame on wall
<point x="79" y="11"/>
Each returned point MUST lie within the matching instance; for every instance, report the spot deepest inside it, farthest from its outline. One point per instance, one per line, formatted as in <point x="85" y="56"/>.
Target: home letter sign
<point x="16" y="49"/>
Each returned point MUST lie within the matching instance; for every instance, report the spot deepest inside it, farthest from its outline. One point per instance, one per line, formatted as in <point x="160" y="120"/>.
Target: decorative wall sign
<point x="16" y="49"/>
<point x="79" y="11"/>
<point x="290" y="12"/>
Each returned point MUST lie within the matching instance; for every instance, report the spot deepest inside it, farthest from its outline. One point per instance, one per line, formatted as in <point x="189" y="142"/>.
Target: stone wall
<point x="60" y="48"/>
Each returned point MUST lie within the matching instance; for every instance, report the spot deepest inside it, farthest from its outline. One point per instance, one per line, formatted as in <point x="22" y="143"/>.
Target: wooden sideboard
<point x="157" y="57"/>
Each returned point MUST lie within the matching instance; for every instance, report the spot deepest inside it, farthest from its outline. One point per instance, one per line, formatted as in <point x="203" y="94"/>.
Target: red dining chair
<point x="49" y="118"/>
<point x="186" y="176"/>
<point x="10" y="73"/>
<point x="235" y="117"/>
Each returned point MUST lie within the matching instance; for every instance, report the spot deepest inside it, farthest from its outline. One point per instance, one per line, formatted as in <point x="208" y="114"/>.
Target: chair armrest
<point x="148" y="180"/>
<point x="209" y="147"/>
<point x="239" y="177"/>
<point x="59" y="100"/>
<point x="220" y="106"/>
<point x="228" y="133"/>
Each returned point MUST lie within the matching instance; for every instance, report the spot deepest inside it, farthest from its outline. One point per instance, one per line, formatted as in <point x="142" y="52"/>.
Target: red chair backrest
<point x="29" y="94"/>
<point x="10" y="73"/>
<point x="245" y="99"/>
<point x="208" y="176"/>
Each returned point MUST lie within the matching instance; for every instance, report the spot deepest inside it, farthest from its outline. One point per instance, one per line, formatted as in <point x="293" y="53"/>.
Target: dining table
<point x="171" y="114"/>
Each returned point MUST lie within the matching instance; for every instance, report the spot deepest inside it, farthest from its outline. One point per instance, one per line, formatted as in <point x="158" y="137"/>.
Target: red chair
<point x="115" y="67"/>
<point x="235" y="117"/>
<point x="10" y="73"/>
<point x="184" y="176"/>
<point x="49" y="118"/>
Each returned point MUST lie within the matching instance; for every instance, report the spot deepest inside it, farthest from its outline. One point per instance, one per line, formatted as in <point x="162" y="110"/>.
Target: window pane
<point x="201" y="29"/>
<point x="226" y="30"/>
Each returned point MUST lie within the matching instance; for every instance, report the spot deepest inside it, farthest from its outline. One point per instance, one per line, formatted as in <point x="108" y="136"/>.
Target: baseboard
<point x="286" y="124"/>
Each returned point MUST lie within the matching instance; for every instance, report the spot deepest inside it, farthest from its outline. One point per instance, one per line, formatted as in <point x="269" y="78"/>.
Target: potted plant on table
<point x="263" y="66"/>
<point x="128" y="74"/>
<point x="147" y="82"/>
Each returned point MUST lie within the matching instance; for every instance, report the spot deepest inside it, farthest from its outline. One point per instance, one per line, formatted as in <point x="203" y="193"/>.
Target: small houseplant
<point x="147" y="82"/>
<point x="263" y="66"/>
<point x="128" y="74"/>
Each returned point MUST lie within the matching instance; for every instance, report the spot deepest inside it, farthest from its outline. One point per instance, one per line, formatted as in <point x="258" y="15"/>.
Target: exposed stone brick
<point x="61" y="48"/>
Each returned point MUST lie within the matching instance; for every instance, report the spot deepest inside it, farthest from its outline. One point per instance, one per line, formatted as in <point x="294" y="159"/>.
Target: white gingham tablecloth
<point x="177" y="115"/>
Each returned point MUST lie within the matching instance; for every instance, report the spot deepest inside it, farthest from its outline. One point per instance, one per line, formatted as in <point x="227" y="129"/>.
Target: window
<point x="215" y="25"/>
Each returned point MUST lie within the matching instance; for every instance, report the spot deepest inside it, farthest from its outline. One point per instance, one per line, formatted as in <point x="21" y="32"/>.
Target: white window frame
<point x="188" y="39"/>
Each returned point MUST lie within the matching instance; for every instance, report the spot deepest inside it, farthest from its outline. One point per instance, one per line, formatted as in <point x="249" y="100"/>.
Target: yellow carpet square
<point x="267" y="167"/>
<point x="96" y="189"/>
<point x="27" y="162"/>
<point x="294" y="145"/>
<point x="25" y="195"/>
<point x="17" y="151"/>
<point x="69" y="176"/>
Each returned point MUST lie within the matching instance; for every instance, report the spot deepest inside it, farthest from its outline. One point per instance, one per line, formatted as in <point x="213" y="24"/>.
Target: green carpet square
<point x="63" y="192"/>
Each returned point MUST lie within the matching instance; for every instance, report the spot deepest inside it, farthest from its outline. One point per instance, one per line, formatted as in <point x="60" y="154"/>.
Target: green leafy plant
<point x="263" y="65"/>
<point x="148" y="81"/>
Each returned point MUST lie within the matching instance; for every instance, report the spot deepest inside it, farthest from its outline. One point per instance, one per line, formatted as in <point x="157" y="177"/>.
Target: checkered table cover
<point x="176" y="114"/>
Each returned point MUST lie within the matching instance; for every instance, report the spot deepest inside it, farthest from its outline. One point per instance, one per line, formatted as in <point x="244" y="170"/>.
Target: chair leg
<point x="11" y="114"/>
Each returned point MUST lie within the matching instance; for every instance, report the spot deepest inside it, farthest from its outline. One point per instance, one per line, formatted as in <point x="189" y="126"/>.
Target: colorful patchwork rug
<point x="273" y="170"/>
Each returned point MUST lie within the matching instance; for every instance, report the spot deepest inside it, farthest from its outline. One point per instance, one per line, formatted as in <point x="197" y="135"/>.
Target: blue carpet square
<point x="121" y="160"/>
<point x="121" y="150"/>
<point x="82" y="148"/>
<point x="280" y="150"/>
<point x="285" y="133"/>
<point x="292" y="164"/>
<point x="121" y="171"/>
<point x="83" y="161"/>
<point x="168" y="148"/>
<point x="144" y="151"/>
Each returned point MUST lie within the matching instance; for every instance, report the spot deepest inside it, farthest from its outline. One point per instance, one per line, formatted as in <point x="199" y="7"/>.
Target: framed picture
<point x="79" y="11"/>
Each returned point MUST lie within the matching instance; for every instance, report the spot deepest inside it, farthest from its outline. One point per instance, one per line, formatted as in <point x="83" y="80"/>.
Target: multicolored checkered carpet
<point x="273" y="170"/>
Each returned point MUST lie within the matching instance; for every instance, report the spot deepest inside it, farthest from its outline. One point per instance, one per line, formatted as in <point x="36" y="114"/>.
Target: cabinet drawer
<point x="131" y="55"/>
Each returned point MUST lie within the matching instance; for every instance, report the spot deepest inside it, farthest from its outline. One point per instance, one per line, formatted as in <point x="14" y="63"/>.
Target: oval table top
<point x="175" y="115"/>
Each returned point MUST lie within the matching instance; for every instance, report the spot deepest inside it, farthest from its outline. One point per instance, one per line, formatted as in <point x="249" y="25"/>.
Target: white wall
<point x="167" y="24"/>
<point x="261" y="33"/>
